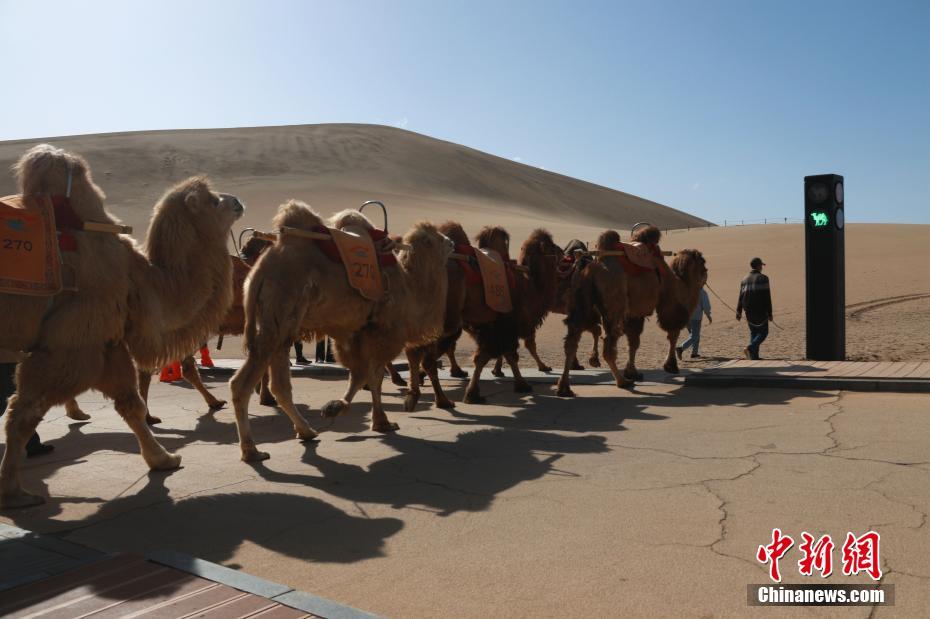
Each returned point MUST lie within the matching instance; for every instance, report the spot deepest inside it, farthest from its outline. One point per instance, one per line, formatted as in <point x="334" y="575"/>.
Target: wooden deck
<point x="908" y="376"/>
<point x="126" y="586"/>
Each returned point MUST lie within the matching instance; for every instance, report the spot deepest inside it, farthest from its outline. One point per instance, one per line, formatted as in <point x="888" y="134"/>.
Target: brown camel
<point x="295" y="288"/>
<point x="135" y="308"/>
<point x="597" y="293"/>
<point x="232" y="325"/>
<point x="672" y="294"/>
<point x="575" y="250"/>
<point x="535" y="292"/>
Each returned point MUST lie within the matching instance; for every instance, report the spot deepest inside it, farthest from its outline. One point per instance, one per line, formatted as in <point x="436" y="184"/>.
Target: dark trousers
<point x="8" y="388"/>
<point x="757" y="335"/>
<point x="299" y="349"/>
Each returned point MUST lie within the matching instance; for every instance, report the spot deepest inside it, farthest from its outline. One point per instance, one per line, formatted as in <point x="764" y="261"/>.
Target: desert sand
<point x="340" y="166"/>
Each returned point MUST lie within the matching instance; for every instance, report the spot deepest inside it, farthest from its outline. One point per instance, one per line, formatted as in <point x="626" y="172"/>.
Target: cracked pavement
<point x="614" y="503"/>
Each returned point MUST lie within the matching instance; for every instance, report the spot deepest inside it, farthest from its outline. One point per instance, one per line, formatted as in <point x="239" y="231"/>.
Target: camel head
<point x="690" y="266"/>
<point x="426" y="243"/>
<point x="46" y="169"/>
<point x="496" y="238"/>
<point x="455" y="232"/>
<point x="190" y="214"/>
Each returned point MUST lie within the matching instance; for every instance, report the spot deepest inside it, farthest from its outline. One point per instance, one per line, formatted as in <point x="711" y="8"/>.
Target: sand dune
<point x="339" y="166"/>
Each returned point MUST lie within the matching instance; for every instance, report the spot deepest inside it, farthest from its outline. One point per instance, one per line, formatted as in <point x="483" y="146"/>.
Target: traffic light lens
<point x="820" y="219"/>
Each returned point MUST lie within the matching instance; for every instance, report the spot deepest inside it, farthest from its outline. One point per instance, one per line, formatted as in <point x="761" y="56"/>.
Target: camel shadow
<point x="215" y="526"/>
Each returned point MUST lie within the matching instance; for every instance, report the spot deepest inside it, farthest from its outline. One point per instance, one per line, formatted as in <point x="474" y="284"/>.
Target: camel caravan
<point x="85" y="307"/>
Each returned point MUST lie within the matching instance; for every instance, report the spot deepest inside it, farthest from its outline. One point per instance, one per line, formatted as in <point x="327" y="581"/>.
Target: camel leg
<point x="265" y="398"/>
<point x="671" y="360"/>
<point x="379" y="421"/>
<point x="593" y="360"/>
<point x="74" y="411"/>
<point x="611" y="337"/>
<point x="280" y="371"/>
<point x="414" y="357"/>
<point x="571" y="351"/>
<point x="396" y="378"/>
<point x="530" y="344"/>
<point x="119" y="381"/>
<point x="498" y="369"/>
<point x="241" y="385"/>
<point x="442" y="401"/>
<point x="633" y="328"/>
<point x="334" y="408"/>
<point x="455" y="370"/>
<point x="22" y="419"/>
<point x="519" y="383"/>
<point x="145" y="381"/>
<point x="473" y="391"/>
<point x="192" y="375"/>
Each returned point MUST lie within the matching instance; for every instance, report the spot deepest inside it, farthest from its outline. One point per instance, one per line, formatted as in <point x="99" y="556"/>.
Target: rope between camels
<point x="714" y="292"/>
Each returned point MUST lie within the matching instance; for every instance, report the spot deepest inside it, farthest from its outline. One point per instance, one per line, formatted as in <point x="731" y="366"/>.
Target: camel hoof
<point x="671" y="369"/>
<point x="20" y="500"/>
<point x="544" y="368"/>
<point x="78" y="415"/>
<point x="410" y="402"/>
<point x="445" y="403"/>
<point x="217" y="405"/>
<point x="307" y="434"/>
<point x="167" y="462"/>
<point x="399" y="381"/>
<point x="565" y="392"/>
<point x="577" y="366"/>
<point x="632" y="374"/>
<point x="334" y="408"/>
<point x="254" y="455"/>
<point x="152" y="420"/>
<point x="474" y="398"/>
<point x="269" y="401"/>
<point x="385" y="428"/>
<point x="594" y="362"/>
<point x="498" y="373"/>
<point x="523" y="387"/>
<point x="458" y="373"/>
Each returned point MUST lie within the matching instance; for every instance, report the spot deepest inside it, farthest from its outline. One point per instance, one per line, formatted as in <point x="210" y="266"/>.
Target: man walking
<point x="694" y="326"/>
<point x="755" y="298"/>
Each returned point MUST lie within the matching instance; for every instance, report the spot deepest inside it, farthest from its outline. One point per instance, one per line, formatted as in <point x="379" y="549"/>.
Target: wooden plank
<point x="238" y="608"/>
<point x="186" y="586"/>
<point x="906" y="368"/>
<point x="70" y="585"/>
<point x="847" y="368"/>
<point x="922" y="371"/>
<point x="281" y="612"/>
<point x="887" y="369"/>
<point x="864" y="370"/>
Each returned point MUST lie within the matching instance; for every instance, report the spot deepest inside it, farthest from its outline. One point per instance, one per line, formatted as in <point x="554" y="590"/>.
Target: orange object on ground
<point x="171" y="373"/>
<point x="361" y="263"/>
<point x="205" y="359"/>
<point x="29" y="246"/>
<point x="496" y="284"/>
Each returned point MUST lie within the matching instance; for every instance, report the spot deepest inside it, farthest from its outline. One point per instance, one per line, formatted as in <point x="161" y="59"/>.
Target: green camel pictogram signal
<point x="820" y="219"/>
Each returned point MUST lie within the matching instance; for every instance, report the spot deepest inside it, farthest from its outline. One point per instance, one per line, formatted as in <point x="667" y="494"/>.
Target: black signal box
<point x="825" y="264"/>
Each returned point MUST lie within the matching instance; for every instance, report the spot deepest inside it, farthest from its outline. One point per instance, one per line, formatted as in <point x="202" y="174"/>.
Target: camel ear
<point x="192" y="201"/>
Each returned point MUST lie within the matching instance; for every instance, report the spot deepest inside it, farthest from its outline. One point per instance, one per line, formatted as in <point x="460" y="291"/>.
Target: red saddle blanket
<point x="639" y="258"/>
<point x="29" y="260"/>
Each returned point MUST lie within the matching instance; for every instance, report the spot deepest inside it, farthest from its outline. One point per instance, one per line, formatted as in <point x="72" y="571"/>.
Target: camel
<point x="295" y="288"/>
<point x="672" y="295"/>
<point x="134" y="308"/>
<point x="535" y="292"/>
<point x="575" y="250"/>
<point x="597" y="293"/>
<point x="232" y="325"/>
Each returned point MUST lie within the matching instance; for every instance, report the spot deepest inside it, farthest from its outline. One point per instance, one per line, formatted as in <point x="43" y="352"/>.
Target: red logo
<point x="773" y="552"/>
<point x="860" y="554"/>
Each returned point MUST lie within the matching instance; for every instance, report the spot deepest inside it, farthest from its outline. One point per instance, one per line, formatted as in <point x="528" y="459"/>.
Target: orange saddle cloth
<point x="29" y="260"/>
<point x="361" y="262"/>
<point x="494" y="277"/>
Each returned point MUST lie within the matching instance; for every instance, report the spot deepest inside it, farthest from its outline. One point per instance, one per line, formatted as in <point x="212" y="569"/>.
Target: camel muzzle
<point x="233" y="202"/>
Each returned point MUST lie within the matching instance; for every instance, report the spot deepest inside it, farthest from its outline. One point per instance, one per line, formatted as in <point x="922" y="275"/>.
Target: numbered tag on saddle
<point x="361" y="262"/>
<point x="494" y="278"/>
<point x="29" y="260"/>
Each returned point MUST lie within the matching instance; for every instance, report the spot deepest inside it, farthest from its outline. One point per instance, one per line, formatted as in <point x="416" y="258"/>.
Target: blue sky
<point x="715" y="108"/>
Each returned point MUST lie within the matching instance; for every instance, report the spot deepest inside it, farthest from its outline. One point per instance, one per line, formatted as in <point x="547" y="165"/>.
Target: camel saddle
<point x="639" y="258"/>
<point x="357" y="251"/>
<point x="494" y="276"/>
<point x="29" y="260"/>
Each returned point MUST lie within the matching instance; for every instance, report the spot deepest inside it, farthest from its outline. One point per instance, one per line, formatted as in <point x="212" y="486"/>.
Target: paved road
<point x="646" y="503"/>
